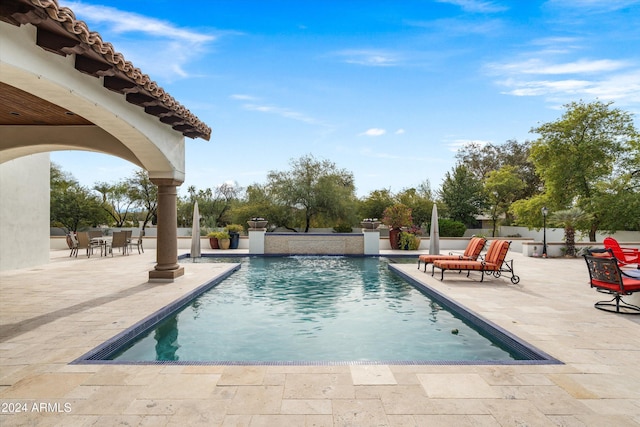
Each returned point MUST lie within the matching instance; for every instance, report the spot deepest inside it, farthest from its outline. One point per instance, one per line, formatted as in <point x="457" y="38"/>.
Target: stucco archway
<point x="64" y="88"/>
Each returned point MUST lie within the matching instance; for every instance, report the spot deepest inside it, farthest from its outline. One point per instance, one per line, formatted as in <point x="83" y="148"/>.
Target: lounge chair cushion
<point x="471" y="252"/>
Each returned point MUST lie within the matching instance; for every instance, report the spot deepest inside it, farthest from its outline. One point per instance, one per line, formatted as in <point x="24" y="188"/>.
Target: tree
<point x="314" y="188"/>
<point x="72" y="206"/>
<point x="375" y="203"/>
<point x="214" y="205"/>
<point x="117" y="200"/>
<point x="420" y="200"/>
<point x="463" y="196"/>
<point x="481" y="160"/>
<point x="590" y="147"/>
<point x="145" y="195"/>
<point x="570" y="219"/>
<point x="501" y="187"/>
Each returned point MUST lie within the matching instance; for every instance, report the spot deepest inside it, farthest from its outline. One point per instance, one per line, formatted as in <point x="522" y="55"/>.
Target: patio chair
<point x="73" y="245"/>
<point x="137" y="242"/>
<point x="471" y="253"/>
<point x="84" y="242"/>
<point x="625" y="256"/>
<point x="493" y="263"/>
<point x="606" y="276"/>
<point x="119" y="240"/>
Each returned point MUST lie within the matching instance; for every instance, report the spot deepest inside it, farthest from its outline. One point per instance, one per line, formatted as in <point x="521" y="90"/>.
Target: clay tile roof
<point x="60" y="32"/>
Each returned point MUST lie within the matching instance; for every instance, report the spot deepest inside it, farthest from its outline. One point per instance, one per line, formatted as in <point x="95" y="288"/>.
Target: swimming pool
<point x="310" y="310"/>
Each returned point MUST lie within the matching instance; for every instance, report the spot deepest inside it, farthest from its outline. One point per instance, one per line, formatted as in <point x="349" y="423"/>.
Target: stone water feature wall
<point x="314" y="244"/>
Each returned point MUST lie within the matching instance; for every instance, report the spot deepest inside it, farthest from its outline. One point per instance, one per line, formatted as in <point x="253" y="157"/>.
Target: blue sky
<point x="387" y="90"/>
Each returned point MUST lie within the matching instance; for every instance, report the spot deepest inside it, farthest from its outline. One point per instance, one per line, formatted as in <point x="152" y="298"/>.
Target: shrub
<point x="451" y="228"/>
<point x="343" y="228"/>
<point x="234" y="228"/>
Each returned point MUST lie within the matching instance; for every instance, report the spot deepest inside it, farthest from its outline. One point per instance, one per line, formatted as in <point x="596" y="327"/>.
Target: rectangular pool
<point x="315" y="310"/>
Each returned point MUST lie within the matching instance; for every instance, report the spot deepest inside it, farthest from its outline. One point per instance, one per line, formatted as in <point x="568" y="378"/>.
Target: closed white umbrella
<point x="195" y="232"/>
<point x="434" y="234"/>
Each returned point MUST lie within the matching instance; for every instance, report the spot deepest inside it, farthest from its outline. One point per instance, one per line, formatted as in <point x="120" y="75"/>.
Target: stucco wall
<point x="24" y="212"/>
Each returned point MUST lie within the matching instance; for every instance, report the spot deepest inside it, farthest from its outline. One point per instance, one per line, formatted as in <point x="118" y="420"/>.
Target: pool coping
<point x="485" y="327"/>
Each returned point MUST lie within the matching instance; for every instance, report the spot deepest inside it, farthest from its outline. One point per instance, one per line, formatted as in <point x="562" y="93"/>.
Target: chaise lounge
<point x="494" y="263"/>
<point x="471" y="253"/>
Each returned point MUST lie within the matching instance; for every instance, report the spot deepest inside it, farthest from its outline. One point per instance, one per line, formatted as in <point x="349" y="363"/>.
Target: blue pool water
<point x="311" y="309"/>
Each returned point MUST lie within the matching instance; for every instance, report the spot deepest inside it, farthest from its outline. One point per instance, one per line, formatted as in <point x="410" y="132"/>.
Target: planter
<point x="394" y="238"/>
<point x="370" y="225"/>
<point x="213" y="242"/>
<point x="262" y="223"/>
<point x="224" y="243"/>
<point x="235" y="240"/>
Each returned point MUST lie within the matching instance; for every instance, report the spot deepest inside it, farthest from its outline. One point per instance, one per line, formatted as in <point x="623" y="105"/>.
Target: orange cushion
<point x="431" y="258"/>
<point x="458" y="265"/>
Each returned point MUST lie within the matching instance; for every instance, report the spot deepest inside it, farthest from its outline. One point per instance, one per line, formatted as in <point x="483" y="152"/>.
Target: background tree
<point x="481" y="160"/>
<point x="214" y="205"/>
<point x="591" y="147"/>
<point x="570" y="219"/>
<point x="72" y="206"/>
<point x="117" y="200"/>
<point x="314" y="187"/>
<point x="374" y="204"/>
<point x="463" y="196"/>
<point x="420" y="200"/>
<point x="501" y="187"/>
<point x="144" y="194"/>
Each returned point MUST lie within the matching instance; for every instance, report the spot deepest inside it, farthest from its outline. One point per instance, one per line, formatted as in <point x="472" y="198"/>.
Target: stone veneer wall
<point x="314" y="244"/>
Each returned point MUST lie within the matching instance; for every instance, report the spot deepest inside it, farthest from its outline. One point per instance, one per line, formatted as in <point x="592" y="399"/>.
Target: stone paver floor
<point x="53" y="314"/>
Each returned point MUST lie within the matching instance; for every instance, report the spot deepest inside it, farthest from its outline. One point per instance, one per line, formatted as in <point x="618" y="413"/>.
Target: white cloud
<point x="399" y="131"/>
<point x="157" y="47"/>
<point x="125" y="22"/>
<point x="282" y="112"/>
<point x="242" y="97"/>
<point x="373" y="132"/>
<point x="539" y="66"/>
<point x="560" y="81"/>
<point x="593" y="6"/>
<point x="476" y="6"/>
<point x="370" y="58"/>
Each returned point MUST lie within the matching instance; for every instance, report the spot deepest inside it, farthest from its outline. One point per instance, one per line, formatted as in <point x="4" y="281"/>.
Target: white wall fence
<point x="528" y="242"/>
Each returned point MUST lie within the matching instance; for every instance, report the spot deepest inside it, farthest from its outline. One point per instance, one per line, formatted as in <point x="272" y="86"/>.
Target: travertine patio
<point x="53" y="314"/>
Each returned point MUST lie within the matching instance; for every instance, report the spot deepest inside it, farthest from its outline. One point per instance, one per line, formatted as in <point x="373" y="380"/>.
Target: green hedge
<point x="451" y="228"/>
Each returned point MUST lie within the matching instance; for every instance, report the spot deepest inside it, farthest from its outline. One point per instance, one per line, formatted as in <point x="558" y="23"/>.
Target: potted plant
<point x="234" y="234"/>
<point x="213" y="240"/>
<point x="410" y="238"/>
<point x="396" y="217"/>
<point x="223" y="240"/>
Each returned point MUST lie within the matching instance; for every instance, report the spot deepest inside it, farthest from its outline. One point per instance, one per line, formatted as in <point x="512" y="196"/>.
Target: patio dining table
<point x="103" y="242"/>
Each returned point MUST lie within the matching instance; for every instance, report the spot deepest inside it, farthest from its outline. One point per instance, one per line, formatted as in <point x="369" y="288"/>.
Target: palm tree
<point x="570" y="219"/>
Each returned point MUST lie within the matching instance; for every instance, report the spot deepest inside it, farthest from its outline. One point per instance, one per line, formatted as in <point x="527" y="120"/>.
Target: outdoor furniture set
<point x="90" y="240"/>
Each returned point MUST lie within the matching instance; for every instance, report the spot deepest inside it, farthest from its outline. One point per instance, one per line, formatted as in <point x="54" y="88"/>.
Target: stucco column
<point x="167" y="266"/>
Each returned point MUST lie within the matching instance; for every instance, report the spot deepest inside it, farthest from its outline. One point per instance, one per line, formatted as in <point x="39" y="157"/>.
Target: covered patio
<point x="64" y="88"/>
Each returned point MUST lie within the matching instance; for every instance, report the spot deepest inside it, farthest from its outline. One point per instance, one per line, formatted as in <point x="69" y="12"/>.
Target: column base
<point x="166" y="274"/>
